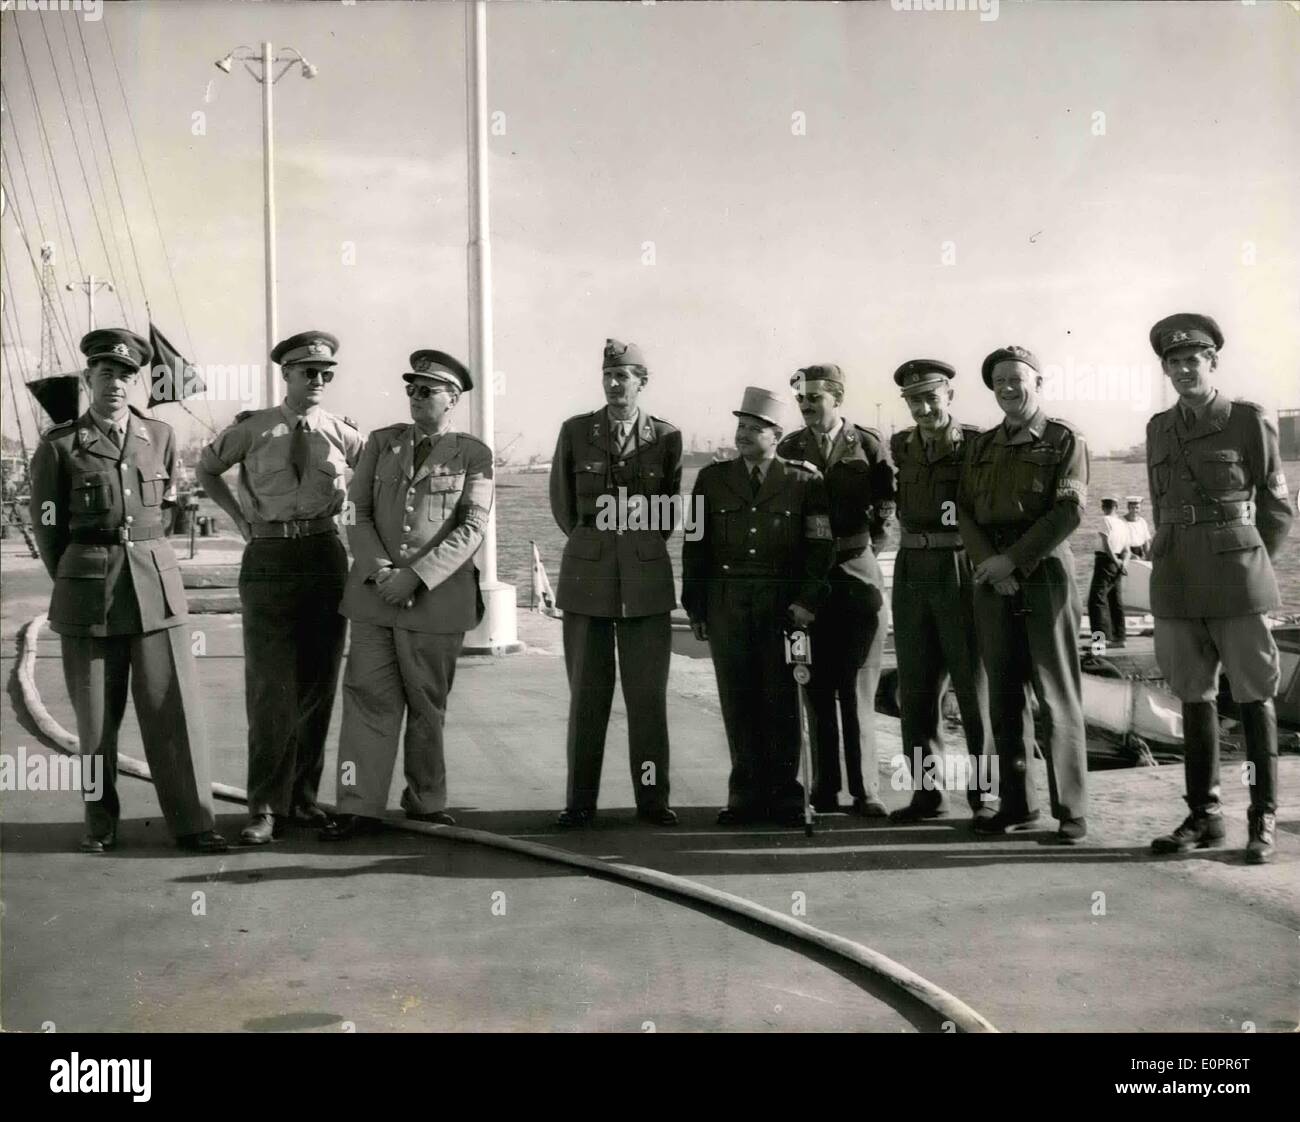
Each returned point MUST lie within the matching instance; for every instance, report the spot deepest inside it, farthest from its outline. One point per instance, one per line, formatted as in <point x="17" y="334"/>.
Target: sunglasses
<point x="326" y="376"/>
<point x="421" y="392"/>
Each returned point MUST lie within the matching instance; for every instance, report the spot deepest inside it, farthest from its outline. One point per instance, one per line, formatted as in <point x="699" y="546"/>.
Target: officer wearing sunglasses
<point x="293" y="461"/>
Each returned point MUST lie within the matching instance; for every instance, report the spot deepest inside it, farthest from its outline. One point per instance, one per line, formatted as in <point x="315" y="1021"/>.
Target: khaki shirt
<point x="269" y="488"/>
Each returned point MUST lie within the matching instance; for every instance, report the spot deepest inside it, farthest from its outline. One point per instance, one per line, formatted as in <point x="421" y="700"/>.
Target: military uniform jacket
<point x="780" y="536"/>
<point x="859" y="480"/>
<point x="927" y="489"/>
<point x="82" y="482"/>
<point x="1023" y="495"/>
<point x="430" y="521"/>
<point x="1220" y="509"/>
<point x="610" y="567"/>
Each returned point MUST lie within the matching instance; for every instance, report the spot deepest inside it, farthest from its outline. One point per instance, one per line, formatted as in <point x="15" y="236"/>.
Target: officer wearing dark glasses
<point x="293" y="461"/>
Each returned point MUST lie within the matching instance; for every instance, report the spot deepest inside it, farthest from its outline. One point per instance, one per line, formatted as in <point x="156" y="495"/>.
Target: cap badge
<point x="1180" y="337"/>
<point x="122" y="349"/>
<point x="319" y="348"/>
<point x="615" y="350"/>
<point x="422" y="365"/>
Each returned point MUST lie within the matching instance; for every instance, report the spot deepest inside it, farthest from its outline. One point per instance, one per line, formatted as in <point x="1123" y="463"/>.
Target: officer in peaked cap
<point x="933" y="592"/>
<point x="118" y="603"/>
<point x="848" y="640"/>
<point x="760" y="565"/>
<point x="422" y="494"/>
<point x="1221" y="512"/>
<point x="616" y="582"/>
<point x="293" y="462"/>
<point x="1023" y="490"/>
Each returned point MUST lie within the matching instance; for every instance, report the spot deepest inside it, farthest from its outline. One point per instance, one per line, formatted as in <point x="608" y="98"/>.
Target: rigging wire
<point x="99" y="175"/>
<point x="16" y="334"/>
<point x="81" y="164"/>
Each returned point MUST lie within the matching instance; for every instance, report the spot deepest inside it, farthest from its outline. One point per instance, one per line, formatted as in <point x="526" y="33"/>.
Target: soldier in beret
<point x="1221" y="511"/>
<point x="760" y="565"/>
<point x="933" y="593"/>
<point x="98" y="486"/>
<point x="848" y="641"/>
<point x="422" y="493"/>
<point x="616" y="584"/>
<point x="1022" y="495"/>
<point x="293" y="461"/>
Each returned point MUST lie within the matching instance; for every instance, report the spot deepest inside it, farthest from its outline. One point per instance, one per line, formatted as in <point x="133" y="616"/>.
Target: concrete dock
<point x="402" y="933"/>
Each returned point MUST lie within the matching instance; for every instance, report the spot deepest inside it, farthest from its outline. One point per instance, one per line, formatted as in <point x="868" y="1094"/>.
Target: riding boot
<point x="1259" y="723"/>
<point x="1203" y="828"/>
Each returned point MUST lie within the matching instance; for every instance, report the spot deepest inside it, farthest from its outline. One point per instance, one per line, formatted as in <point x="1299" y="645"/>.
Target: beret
<point x="318" y="347"/>
<point x="1185" y="329"/>
<point x="818" y="372"/>
<point x="440" y="366"/>
<point x="118" y="344"/>
<point x="1007" y="354"/>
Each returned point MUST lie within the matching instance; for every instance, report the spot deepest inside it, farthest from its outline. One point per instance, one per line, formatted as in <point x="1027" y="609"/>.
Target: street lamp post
<point x="90" y="285"/>
<point x="266" y="60"/>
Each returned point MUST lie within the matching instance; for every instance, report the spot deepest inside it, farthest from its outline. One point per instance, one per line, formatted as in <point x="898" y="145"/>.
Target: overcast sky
<point x="819" y="182"/>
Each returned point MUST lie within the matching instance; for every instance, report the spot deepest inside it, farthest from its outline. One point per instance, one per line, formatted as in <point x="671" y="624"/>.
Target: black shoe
<point x="1259" y="850"/>
<point x="829" y="806"/>
<point x="99" y="843"/>
<point x="209" y="841"/>
<point x="661" y="816"/>
<point x="918" y="812"/>
<point x="982" y="813"/>
<point x="308" y="814"/>
<point x="571" y="818"/>
<point x="1072" y="831"/>
<point x="868" y="806"/>
<point x="260" y="829"/>
<point x="344" y="827"/>
<point x="434" y="817"/>
<point x="1198" y="831"/>
<point x="1002" y="823"/>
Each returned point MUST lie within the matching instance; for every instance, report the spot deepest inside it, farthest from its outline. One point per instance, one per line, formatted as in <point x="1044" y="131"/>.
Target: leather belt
<point x="119" y="536"/>
<point x="947" y="539"/>
<point x="1217" y="514"/>
<point x="295" y="528"/>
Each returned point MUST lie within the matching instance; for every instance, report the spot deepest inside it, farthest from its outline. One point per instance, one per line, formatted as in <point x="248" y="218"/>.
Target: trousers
<point x="644" y="645"/>
<point x="289" y="591"/>
<point x="158" y="668"/>
<point x="1106" y="599"/>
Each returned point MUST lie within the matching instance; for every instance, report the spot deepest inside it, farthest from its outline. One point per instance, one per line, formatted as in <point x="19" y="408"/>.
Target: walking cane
<point x="798" y="655"/>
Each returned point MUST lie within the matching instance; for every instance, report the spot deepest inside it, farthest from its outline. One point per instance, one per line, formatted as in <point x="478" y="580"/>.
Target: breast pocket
<point x="589" y="479"/>
<point x="1161" y="471"/>
<point x="1221" y="469"/>
<point x="92" y="493"/>
<point x="728" y="523"/>
<point x="153" y="486"/>
<point x="444" y="494"/>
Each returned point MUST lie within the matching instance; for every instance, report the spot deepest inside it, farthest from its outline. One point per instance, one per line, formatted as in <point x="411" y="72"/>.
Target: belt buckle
<point x="1190" y="510"/>
<point x="123" y="534"/>
<point x="1248" y="512"/>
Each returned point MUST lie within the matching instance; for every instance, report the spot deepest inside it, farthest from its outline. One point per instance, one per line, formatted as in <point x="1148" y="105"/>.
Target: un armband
<point x="1277" y="485"/>
<point x="1073" y="489"/>
<point x="817" y="527"/>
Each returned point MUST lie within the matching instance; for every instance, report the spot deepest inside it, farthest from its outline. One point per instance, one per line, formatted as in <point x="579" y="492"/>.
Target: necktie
<point x="825" y="440"/>
<point x="755" y="479"/>
<point x="115" y="435"/>
<point x="300" y="450"/>
<point x="422" y="449"/>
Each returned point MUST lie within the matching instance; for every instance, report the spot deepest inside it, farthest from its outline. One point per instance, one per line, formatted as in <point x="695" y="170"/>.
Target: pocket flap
<point x="1221" y="456"/>
<point x="1227" y="539"/>
<point x="441" y="483"/>
<point x="590" y="465"/>
<point x="91" y="479"/>
<point x="165" y="559"/>
<point x="1040" y="457"/>
<point x="588" y="547"/>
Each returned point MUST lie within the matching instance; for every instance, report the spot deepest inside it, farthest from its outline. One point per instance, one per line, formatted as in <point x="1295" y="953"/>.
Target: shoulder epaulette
<point x="244" y="414"/>
<point x="475" y="440"/>
<point x="61" y="429"/>
<point x="971" y="430"/>
<point x="1249" y="404"/>
<point x="803" y="465"/>
<point x="1063" y="423"/>
<point x="349" y="422"/>
<point x="660" y="421"/>
<point x="866" y="431"/>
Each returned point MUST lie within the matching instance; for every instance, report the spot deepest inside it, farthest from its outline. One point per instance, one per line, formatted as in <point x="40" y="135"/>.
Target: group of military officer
<point x="983" y="592"/>
<point x="983" y="595"/>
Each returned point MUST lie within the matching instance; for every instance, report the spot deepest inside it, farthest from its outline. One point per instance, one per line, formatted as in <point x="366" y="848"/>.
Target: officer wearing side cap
<point x="933" y="590"/>
<point x="1221" y="512"/>
<point x="1022" y="494"/>
<point x="293" y="460"/>
<point x="118" y="606"/>
<point x="848" y="640"/>
<point x="421" y="496"/>
<point x="760" y="565"/>
<point x="616" y="583"/>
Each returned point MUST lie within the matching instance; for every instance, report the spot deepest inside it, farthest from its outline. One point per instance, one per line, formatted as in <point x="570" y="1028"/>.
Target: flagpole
<point x="497" y="633"/>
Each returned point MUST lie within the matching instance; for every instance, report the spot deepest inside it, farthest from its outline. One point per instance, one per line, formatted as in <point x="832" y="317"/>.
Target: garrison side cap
<point x="617" y="354"/>
<point x="1185" y="329"/>
<point x="919" y="374"/>
<point x="1010" y="353"/>
<point x="440" y="366"/>
<point x="316" y="347"/>
<point x="117" y="344"/>
<point x="817" y="372"/>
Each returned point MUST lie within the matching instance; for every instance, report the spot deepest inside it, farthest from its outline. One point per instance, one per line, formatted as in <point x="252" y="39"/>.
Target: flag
<point x="59" y="396"/>
<point x="543" y="598"/>
<point x="173" y="378"/>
